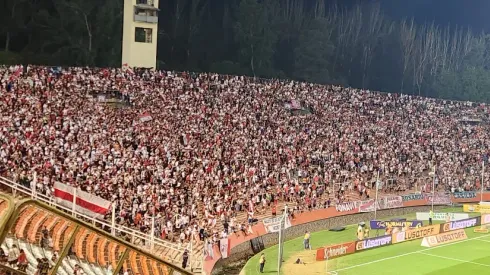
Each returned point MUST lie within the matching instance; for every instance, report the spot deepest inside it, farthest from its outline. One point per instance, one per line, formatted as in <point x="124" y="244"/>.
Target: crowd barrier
<point x="344" y="209"/>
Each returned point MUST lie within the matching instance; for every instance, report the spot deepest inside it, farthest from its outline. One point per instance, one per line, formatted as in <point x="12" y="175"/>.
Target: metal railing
<point x="145" y="241"/>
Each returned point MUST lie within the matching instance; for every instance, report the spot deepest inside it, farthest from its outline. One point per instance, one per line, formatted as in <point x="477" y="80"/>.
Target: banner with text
<point x="390" y="224"/>
<point x="388" y="202"/>
<point x="373" y="242"/>
<point x="347" y="206"/>
<point x="461" y="224"/>
<point x="273" y="225"/>
<point x="424" y="216"/>
<point x="393" y="202"/>
<point x="464" y="195"/>
<point x="439" y="199"/>
<point x="485" y="209"/>
<point x="335" y="251"/>
<point x="444" y="238"/>
<point x="416" y="233"/>
<point x="412" y="197"/>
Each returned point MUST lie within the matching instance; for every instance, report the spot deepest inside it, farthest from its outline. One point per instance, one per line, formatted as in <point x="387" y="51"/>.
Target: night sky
<point x="472" y="13"/>
<point x="467" y="13"/>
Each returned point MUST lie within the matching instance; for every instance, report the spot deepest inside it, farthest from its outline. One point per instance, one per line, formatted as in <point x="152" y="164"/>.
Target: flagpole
<point x="74" y="201"/>
<point x="433" y="187"/>
<point x="376" y="196"/>
<point x="482" y="179"/>
<point x="113" y="220"/>
<point x="152" y="237"/>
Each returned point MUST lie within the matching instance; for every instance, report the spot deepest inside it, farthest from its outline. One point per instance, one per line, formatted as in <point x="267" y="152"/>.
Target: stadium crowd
<point x="195" y="149"/>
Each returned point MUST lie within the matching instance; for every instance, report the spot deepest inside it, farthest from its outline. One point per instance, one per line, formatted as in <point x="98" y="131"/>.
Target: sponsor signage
<point x="335" y="251"/>
<point x="347" y="206"/>
<point x="461" y="224"/>
<point x="412" y="197"/>
<point x="439" y="199"/>
<point x="442" y="216"/>
<point x="464" y="195"/>
<point x="480" y="230"/>
<point x="390" y="224"/>
<point x="273" y="225"/>
<point x="444" y="238"/>
<point x="416" y="233"/>
<point x="476" y="208"/>
<point x="485" y="219"/>
<point x="373" y="242"/>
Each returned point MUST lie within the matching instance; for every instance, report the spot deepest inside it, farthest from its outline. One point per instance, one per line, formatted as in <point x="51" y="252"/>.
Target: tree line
<point x="308" y="40"/>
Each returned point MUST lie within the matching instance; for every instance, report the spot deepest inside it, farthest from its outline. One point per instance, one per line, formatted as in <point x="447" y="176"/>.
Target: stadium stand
<point x="199" y="150"/>
<point x="76" y="244"/>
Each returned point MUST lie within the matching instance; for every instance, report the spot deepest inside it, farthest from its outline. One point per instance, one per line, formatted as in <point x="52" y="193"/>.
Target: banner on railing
<point x="273" y="225"/>
<point x="224" y="247"/>
<point x="393" y="202"/>
<point x="412" y="197"/>
<point x="439" y="199"/>
<point x="347" y="206"/>
<point x="464" y="195"/>
<point x="388" y="202"/>
<point x="83" y="202"/>
<point x="368" y="206"/>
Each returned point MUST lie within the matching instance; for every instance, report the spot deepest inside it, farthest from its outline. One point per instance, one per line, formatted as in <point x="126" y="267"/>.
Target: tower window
<point x="143" y="35"/>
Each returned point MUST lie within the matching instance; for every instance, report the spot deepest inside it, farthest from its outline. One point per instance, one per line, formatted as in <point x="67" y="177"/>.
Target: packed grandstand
<point x="207" y="155"/>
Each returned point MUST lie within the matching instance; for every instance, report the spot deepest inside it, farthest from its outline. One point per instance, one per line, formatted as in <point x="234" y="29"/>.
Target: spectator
<point x="13" y="255"/>
<point x="22" y="261"/>
<point x="207" y="148"/>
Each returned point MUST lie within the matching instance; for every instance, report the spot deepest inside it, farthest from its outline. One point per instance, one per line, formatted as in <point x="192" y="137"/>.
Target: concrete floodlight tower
<point x="140" y="33"/>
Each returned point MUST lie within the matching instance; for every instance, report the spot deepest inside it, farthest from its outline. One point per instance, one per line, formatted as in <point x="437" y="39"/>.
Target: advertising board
<point x="335" y="251"/>
<point x="390" y="224"/>
<point x="416" y="233"/>
<point x="476" y="208"/>
<point x="444" y="238"/>
<point x="485" y="219"/>
<point x="461" y="224"/>
<point x="442" y="216"/>
<point x="373" y="242"/>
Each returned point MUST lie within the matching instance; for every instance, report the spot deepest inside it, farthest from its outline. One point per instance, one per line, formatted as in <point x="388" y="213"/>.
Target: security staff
<point x="262" y="262"/>
<point x="431" y="215"/>
<point x="366" y="232"/>
<point x="306" y="240"/>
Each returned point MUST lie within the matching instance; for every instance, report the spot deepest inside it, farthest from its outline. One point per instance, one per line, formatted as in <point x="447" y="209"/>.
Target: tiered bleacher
<point x="198" y="151"/>
<point x="47" y="236"/>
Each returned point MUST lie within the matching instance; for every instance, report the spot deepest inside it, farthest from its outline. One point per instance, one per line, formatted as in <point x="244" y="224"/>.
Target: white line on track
<point x="453" y="259"/>
<point x="402" y="255"/>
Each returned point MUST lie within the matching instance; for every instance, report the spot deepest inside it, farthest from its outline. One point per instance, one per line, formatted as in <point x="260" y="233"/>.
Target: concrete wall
<point x="244" y="250"/>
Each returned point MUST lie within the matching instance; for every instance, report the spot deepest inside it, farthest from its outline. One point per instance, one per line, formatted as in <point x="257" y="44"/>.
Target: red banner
<point x="335" y="251"/>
